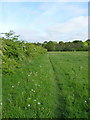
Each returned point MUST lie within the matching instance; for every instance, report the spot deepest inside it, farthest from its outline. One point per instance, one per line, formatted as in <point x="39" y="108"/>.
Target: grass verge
<point x="31" y="91"/>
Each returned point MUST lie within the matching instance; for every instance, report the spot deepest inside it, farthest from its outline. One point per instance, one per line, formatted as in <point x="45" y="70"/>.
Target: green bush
<point x="15" y="53"/>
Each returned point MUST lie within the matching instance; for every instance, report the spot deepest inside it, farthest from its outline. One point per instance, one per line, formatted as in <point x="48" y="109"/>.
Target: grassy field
<point x="71" y="71"/>
<point x="54" y="85"/>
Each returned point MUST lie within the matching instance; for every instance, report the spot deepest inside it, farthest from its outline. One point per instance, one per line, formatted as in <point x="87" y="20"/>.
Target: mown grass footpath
<point x="71" y="71"/>
<point x="31" y="91"/>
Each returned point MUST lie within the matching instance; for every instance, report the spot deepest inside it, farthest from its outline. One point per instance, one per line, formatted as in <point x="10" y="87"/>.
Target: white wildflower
<point x="1" y="103"/>
<point x="31" y="89"/>
<point x="29" y="98"/>
<point x="28" y="105"/>
<point x="35" y="100"/>
<point x="12" y="86"/>
<point x="85" y="101"/>
<point x="39" y="103"/>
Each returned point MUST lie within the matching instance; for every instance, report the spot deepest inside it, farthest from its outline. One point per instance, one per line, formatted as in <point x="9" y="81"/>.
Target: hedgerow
<point x="15" y="53"/>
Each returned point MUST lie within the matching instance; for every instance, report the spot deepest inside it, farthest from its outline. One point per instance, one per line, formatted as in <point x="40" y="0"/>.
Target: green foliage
<point x="16" y="52"/>
<point x="50" y="46"/>
<point x="76" y="45"/>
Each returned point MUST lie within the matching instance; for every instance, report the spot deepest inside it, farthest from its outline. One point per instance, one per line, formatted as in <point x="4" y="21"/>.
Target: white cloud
<point x="4" y="27"/>
<point x="49" y="12"/>
<point x="76" y="28"/>
<point x="30" y="35"/>
<point x="74" y="24"/>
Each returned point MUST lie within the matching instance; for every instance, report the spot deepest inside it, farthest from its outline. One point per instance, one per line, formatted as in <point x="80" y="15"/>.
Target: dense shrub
<point x="15" y="53"/>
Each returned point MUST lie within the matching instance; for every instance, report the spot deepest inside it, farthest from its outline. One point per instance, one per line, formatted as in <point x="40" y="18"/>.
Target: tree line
<point x="76" y="45"/>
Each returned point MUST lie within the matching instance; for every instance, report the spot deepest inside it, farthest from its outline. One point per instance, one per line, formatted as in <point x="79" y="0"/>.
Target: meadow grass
<point x="31" y="91"/>
<point x="71" y="70"/>
<point x="54" y="85"/>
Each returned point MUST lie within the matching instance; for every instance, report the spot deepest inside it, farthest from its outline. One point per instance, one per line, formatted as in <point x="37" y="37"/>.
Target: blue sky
<point x="40" y="21"/>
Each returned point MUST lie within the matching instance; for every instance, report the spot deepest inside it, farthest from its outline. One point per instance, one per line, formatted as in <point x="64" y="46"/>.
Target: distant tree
<point x="38" y="44"/>
<point x="11" y="35"/>
<point x="51" y="46"/>
<point x="68" y="46"/>
<point x="45" y="42"/>
<point x="61" y="42"/>
<point x="77" y="41"/>
<point x="78" y="45"/>
<point x="60" y="46"/>
<point x="88" y="41"/>
<point x="85" y="46"/>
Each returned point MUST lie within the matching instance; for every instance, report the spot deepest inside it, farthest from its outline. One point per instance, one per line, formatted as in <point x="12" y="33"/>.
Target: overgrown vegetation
<point x="16" y="52"/>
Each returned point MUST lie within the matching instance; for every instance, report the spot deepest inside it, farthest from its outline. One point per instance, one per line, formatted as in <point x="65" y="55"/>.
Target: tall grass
<point x="53" y="85"/>
<point x="31" y="91"/>
<point x="71" y="70"/>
